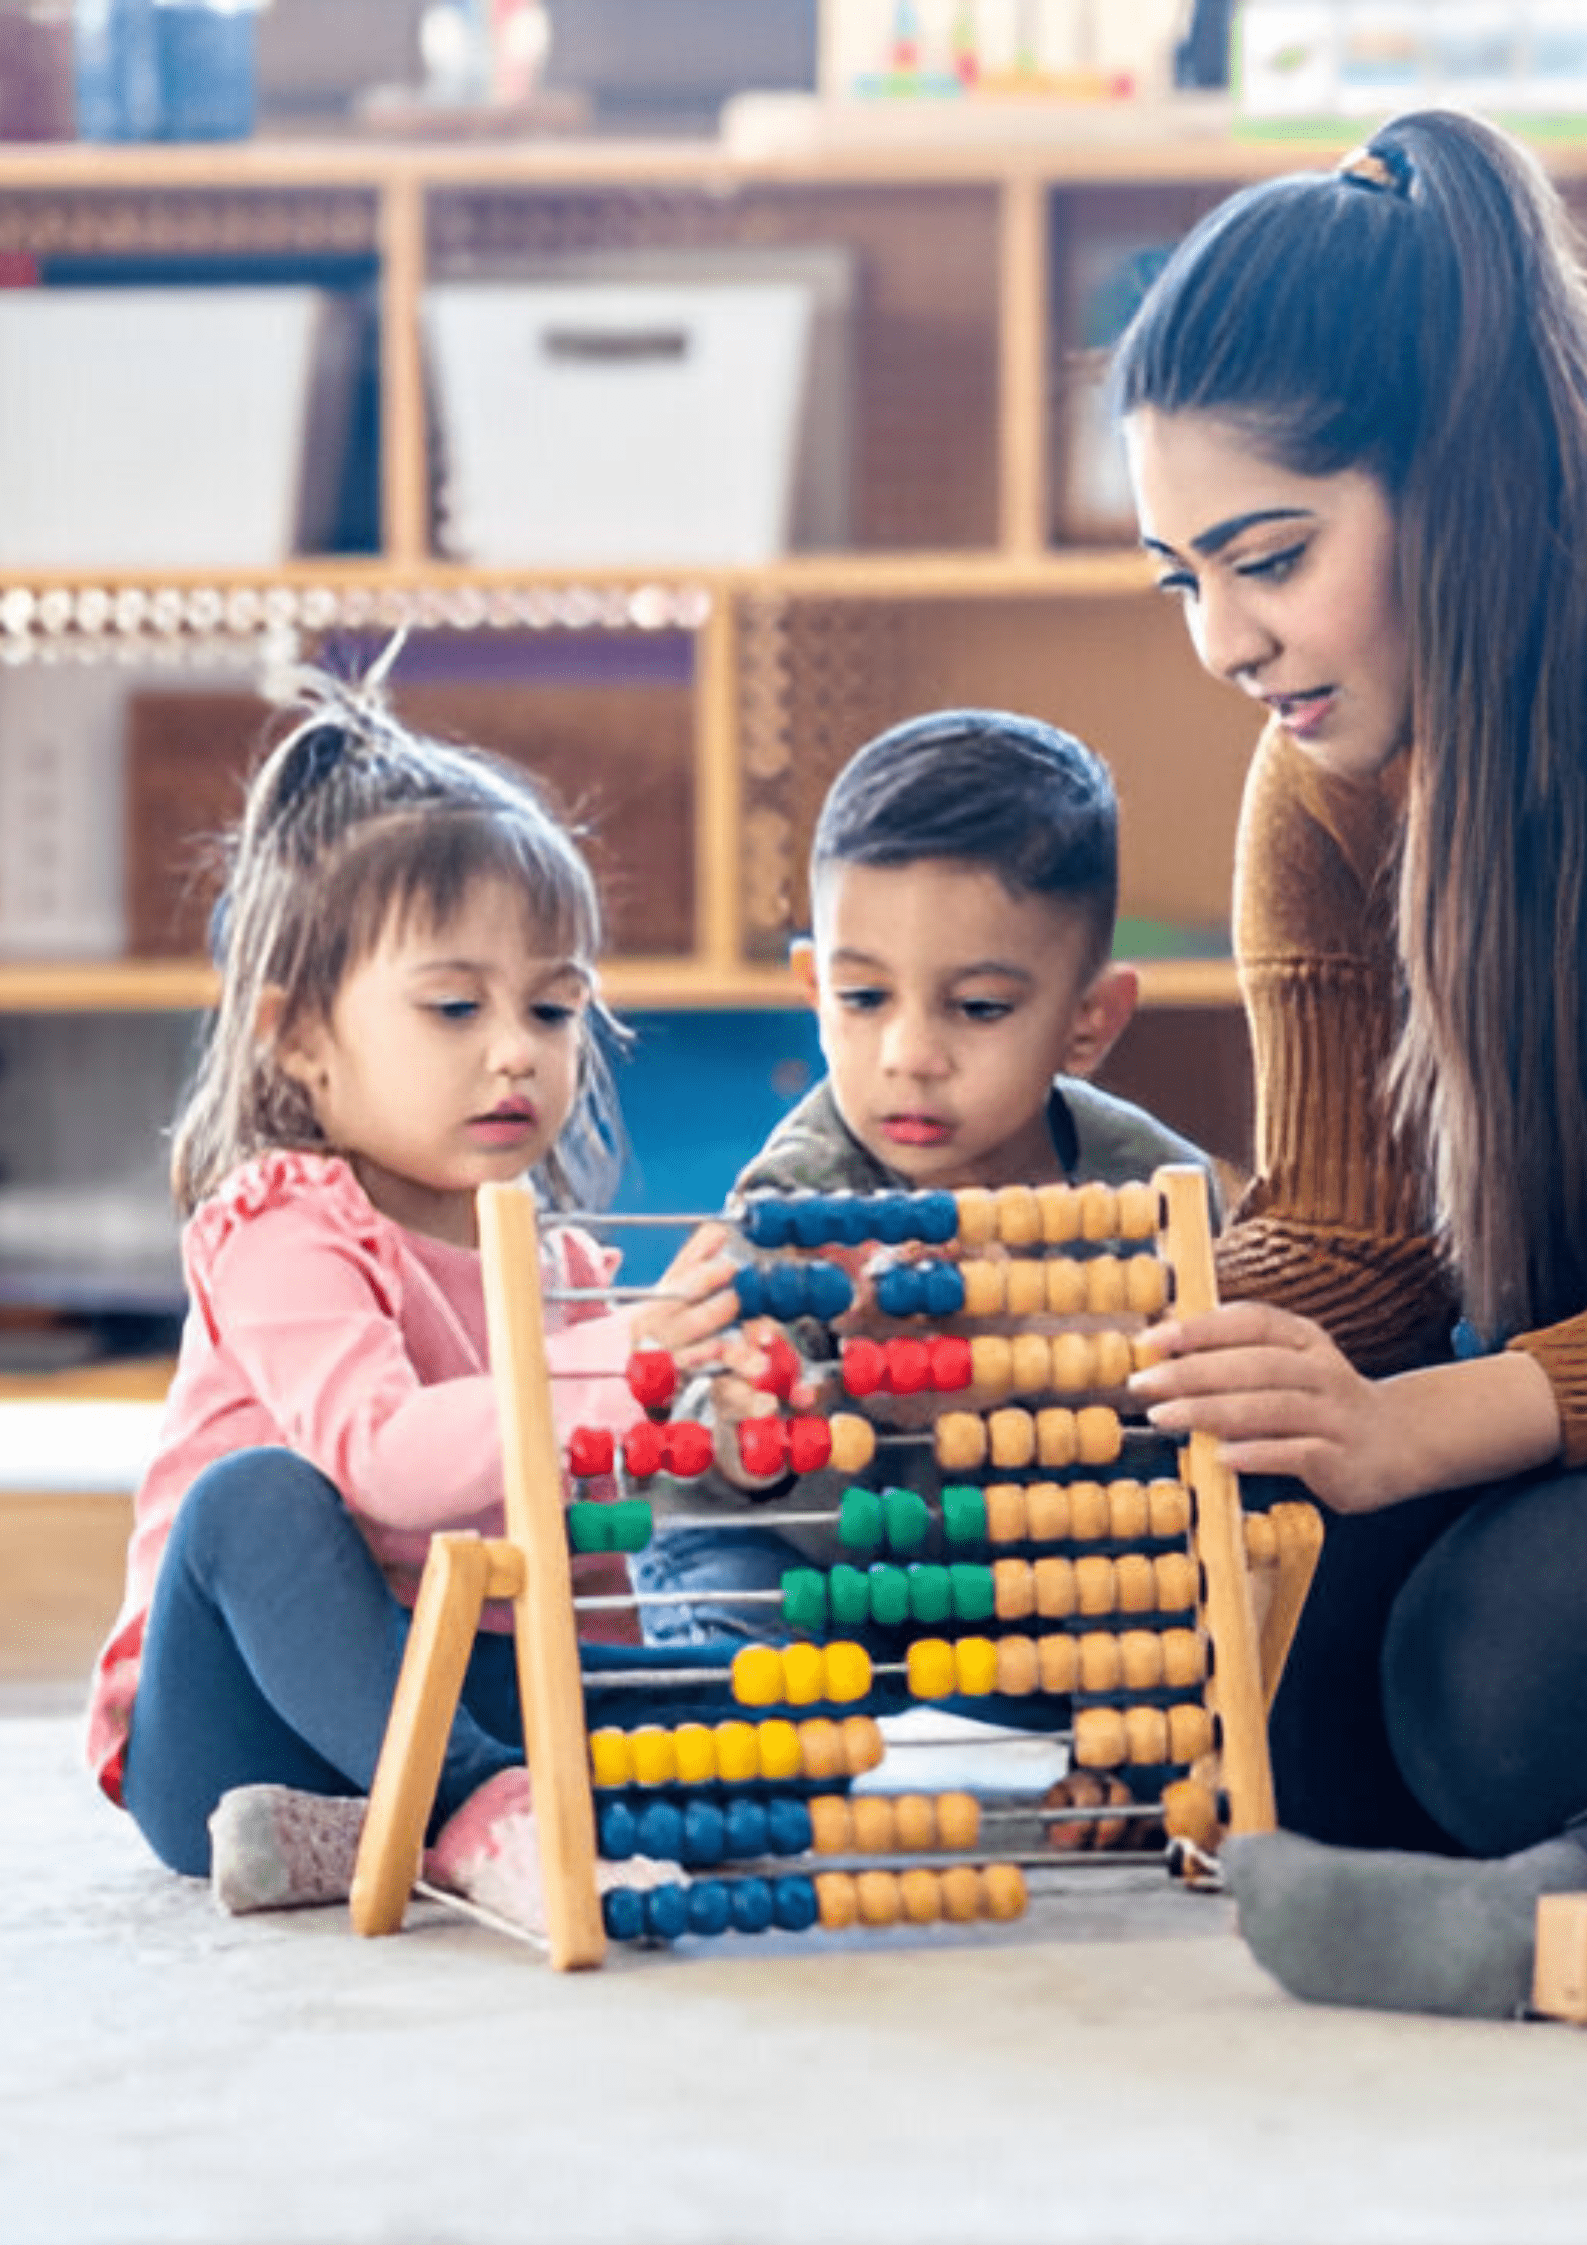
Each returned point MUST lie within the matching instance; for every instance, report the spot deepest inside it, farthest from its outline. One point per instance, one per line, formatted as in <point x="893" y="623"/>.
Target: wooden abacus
<point x="1157" y="1610"/>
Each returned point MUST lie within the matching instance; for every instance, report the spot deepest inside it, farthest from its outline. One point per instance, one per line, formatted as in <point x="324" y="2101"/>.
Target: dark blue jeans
<point x="272" y="1653"/>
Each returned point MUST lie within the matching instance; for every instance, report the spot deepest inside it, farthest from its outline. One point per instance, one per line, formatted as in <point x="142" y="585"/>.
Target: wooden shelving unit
<point x="963" y="581"/>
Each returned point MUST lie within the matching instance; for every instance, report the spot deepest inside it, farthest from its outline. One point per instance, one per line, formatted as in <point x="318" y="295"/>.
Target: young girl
<point x="1356" y="410"/>
<point x="408" y="1009"/>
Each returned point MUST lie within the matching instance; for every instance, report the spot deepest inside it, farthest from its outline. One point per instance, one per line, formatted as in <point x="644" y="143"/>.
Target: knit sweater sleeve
<point x="1332" y="1224"/>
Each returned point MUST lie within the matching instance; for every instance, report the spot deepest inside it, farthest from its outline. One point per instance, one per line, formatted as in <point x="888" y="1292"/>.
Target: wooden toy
<point x="1144" y="1610"/>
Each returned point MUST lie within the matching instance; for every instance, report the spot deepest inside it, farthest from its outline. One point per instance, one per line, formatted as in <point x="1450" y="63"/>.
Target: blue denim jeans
<point x="273" y="1650"/>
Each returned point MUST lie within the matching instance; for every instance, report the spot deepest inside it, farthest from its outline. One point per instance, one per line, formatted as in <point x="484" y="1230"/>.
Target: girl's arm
<point x="1283" y="1398"/>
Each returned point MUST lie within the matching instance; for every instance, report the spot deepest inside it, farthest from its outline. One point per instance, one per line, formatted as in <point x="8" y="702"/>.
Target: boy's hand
<point x="695" y="1301"/>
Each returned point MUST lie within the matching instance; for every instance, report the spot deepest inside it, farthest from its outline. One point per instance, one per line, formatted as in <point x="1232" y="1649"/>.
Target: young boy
<point x="963" y="887"/>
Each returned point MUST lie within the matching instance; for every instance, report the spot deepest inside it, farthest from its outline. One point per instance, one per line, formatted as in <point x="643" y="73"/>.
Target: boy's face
<point x="947" y="1005"/>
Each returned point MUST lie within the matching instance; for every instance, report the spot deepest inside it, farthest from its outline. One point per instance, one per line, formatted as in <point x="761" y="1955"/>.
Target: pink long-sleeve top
<point x="317" y="1325"/>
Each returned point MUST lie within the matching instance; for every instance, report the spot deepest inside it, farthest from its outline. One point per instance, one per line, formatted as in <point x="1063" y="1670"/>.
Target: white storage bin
<point x="158" y="428"/>
<point x="582" y="423"/>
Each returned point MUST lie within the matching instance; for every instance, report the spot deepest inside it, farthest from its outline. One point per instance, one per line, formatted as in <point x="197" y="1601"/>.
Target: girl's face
<point x="450" y="1059"/>
<point x="1289" y="583"/>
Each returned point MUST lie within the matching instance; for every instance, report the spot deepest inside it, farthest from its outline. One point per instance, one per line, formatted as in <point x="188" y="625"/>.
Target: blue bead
<point x="787" y="1296"/>
<point x="900" y="1291"/>
<point x="750" y="1903"/>
<point x="768" y="1220"/>
<point x="788" y="1827"/>
<point x="659" y="1831"/>
<point x="745" y="1832"/>
<point x="812" y="1220"/>
<point x="892" y="1218"/>
<point x="793" y="1904"/>
<point x="829" y="1290"/>
<point x="704" y="1833"/>
<point x="936" y="1217"/>
<point x="750" y="1287"/>
<point x="710" y="1910"/>
<point x="849" y="1218"/>
<point x="623" y="1914"/>
<point x="943" y="1287"/>
<point x="667" y="1911"/>
<point x="617" y="1827"/>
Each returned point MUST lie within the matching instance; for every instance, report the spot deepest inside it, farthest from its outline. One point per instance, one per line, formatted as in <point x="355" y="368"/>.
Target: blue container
<point x="115" y="70"/>
<point x="207" y="60"/>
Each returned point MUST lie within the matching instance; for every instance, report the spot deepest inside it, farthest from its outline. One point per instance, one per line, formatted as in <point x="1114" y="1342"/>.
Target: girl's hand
<point x="1281" y="1398"/>
<point x="695" y="1301"/>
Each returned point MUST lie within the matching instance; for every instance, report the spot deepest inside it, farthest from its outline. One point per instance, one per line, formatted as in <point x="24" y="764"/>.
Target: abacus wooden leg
<point x="550" y="1680"/>
<point x="1559" y="1978"/>
<point x="446" y="1615"/>
<point x="1299" y="1530"/>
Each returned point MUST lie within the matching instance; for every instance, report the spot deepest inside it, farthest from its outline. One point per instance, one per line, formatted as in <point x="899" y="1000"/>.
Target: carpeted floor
<point x="1115" y="2071"/>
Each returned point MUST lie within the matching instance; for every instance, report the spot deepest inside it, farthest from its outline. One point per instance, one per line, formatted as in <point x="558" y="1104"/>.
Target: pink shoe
<point x="489" y="1852"/>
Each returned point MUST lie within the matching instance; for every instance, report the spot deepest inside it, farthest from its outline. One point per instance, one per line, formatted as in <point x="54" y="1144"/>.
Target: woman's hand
<point x="1281" y="1398"/>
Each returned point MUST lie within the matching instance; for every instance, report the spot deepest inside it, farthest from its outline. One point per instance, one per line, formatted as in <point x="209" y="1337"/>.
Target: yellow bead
<point x="780" y="1755"/>
<point x="931" y="1671"/>
<point x="696" y="1751"/>
<point x="757" y="1676"/>
<point x="848" y="1672"/>
<point x="975" y="1663"/>
<point x="803" y="1675"/>
<point x="737" y="1753"/>
<point x="611" y="1761"/>
<point x="655" y="1755"/>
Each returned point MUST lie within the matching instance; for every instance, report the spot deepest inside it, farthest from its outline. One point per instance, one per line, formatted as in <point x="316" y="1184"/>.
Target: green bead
<point x="908" y="1519"/>
<point x="631" y="1523"/>
<point x="930" y="1594"/>
<point x="889" y="1588"/>
<point x="971" y="1591"/>
<point x="849" y="1591"/>
<point x="860" y="1520"/>
<point x="964" y="1514"/>
<point x="804" y="1598"/>
<point x="589" y="1525"/>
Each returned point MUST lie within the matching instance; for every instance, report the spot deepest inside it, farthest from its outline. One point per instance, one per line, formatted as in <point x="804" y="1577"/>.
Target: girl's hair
<point x="990" y="787"/>
<point x="350" y="823"/>
<point x="1420" y="315"/>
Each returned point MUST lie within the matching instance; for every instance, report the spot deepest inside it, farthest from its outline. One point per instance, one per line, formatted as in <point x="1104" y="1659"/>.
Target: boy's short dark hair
<point x="991" y="788"/>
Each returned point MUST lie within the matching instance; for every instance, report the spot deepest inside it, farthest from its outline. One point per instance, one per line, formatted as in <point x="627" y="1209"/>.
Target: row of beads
<point x="709" y="1906"/>
<point x="1065" y="1286"/>
<point x="703" y="1831"/>
<point x="1100" y="1661"/>
<point x="1043" y="1512"/>
<point x="920" y="1897"/>
<point x="845" y="1597"/>
<point x="1126" y="1582"/>
<point x="1105" y="1737"/>
<point x="735" y="1752"/>
<point x="811" y="1289"/>
<point x="902" y="1824"/>
<point x="1015" y="1215"/>
<point x="1010" y="1439"/>
<point x="1024" y="1363"/>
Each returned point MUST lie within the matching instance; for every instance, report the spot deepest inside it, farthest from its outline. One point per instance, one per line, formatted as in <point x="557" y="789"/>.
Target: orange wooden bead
<point x="1146" y="1729"/>
<point x="1090" y="1514"/>
<point x="821" y="1749"/>
<point x="1003" y="1891"/>
<point x="914" y="1824"/>
<point x="1184" y="1658"/>
<point x="1030" y="1363"/>
<point x="1105" y="1294"/>
<point x="1098" y="1435"/>
<point x="875" y="1826"/>
<point x="1056" y="1592"/>
<point x="991" y="1362"/>
<point x="1066" y="1286"/>
<point x="1141" y="1659"/>
<point x="984" y="1287"/>
<point x="1094" y="1585"/>
<point x="1261" y="1540"/>
<point x="1112" y="1359"/>
<point x="1128" y="1512"/>
<point x="863" y="1745"/>
<point x="1011" y="1438"/>
<point x="1047" y="1510"/>
<point x="1059" y="1209"/>
<point x="960" y="1441"/>
<point x="977" y="1215"/>
<point x="1005" y="1512"/>
<point x="1013" y="1589"/>
<point x="1057" y="1436"/>
<point x="877" y="1895"/>
<point x="1189" y="1732"/>
<point x="1017" y="1672"/>
<point x="1190" y="1813"/>
<point x="1136" y="1210"/>
<point x="837" y="1899"/>
<point x="1072" y="1358"/>
<point x="1099" y="1211"/>
<point x="1018" y="1216"/>
<point x="920" y="1896"/>
<point x="1025" y="1287"/>
<point x="831" y="1828"/>
<point x="1178" y="1582"/>
<point x="853" y="1442"/>
<point x="961" y="1894"/>
<point x="1057" y="1662"/>
<point x="1134" y="1583"/>
<point x="958" y="1820"/>
<point x="1168" y="1506"/>
<point x="1101" y="1663"/>
<point x="1145" y="1284"/>
<point x="1099" y="1738"/>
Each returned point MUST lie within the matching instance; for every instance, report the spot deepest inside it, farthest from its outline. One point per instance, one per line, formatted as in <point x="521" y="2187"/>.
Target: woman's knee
<point x="1485" y="1669"/>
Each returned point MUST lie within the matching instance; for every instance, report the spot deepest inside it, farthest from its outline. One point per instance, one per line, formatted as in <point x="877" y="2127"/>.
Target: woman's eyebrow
<point x="1213" y="541"/>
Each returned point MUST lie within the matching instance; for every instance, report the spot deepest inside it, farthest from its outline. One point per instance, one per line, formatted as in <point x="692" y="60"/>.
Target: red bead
<point x="864" y="1367"/>
<point x="908" y="1367"/>
<point x="950" y="1363"/>
<point x="652" y="1378"/>
<point x="591" y="1450"/>
<point x="763" y="1445"/>
<point x="782" y="1367"/>
<point x="809" y="1445"/>
<point x="686" y="1448"/>
<point x="643" y="1447"/>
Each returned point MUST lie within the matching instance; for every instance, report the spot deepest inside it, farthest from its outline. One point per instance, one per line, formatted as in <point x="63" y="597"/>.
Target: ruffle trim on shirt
<point x="277" y="1180"/>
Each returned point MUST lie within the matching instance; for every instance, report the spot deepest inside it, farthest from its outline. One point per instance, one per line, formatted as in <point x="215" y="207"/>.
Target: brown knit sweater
<point x="1335" y="1221"/>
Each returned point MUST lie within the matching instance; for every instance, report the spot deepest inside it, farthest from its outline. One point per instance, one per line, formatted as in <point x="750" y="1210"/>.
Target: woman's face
<point x="1289" y="583"/>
